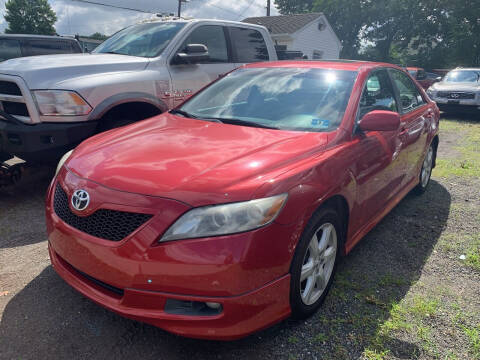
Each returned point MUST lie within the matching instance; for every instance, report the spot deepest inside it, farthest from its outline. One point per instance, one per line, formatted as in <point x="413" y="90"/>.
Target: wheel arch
<point x="133" y="98"/>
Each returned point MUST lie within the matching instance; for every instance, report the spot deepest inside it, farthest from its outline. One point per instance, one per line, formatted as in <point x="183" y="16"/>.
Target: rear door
<point x="189" y="78"/>
<point x="416" y="114"/>
<point x="248" y="45"/>
<point x="48" y="47"/>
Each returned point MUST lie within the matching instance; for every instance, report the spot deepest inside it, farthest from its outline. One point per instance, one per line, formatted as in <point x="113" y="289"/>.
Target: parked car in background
<point x="459" y="90"/>
<point x="230" y="212"/>
<point x="52" y="103"/>
<point x="424" y="78"/>
<point x="18" y="45"/>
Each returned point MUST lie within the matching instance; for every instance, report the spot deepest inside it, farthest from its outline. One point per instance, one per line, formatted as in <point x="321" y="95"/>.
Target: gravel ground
<point x="402" y="293"/>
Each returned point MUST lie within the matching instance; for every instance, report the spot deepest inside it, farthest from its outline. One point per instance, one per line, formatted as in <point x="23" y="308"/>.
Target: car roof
<point x="413" y="68"/>
<point x="351" y="65"/>
<point x="28" y="36"/>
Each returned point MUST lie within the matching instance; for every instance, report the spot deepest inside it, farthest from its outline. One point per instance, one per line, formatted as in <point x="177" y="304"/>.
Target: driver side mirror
<point x="379" y="120"/>
<point x="192" y="53"/>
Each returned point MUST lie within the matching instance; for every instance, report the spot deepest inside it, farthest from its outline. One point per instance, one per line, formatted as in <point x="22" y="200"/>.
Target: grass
<point x="467" y="161"/>
<point x="473" y="254"/>
<point x="473" y="335"/>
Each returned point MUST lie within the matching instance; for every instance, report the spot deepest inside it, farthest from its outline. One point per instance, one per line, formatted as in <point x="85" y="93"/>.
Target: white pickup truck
<point x="49" y="104"/>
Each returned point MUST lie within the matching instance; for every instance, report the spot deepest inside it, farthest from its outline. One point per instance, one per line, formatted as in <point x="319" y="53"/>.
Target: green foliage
<point x="30" y="17"/>
<point x="294" y="6"/>
<point x="98" y="36"/>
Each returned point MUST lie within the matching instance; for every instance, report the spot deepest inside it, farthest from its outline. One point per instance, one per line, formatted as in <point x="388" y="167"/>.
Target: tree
<point x="30" y="17"/>
<point x="287" y="7"/>
<point x="98" y="36"/>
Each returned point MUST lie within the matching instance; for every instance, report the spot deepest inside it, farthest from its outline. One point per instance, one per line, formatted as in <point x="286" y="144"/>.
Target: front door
<point x="189" y="78"/>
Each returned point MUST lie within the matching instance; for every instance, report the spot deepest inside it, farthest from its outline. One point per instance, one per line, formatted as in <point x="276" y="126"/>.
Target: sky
<point x="75" y="17"/>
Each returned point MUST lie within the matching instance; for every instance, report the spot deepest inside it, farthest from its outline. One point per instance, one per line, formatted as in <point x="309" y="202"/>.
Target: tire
<point x="425" y="171"/>
<point x="325" y="226"/>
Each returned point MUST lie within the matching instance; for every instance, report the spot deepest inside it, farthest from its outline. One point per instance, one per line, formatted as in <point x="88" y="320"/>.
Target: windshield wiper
<point x="183" y="113"/>
<point x="241" y="122"/>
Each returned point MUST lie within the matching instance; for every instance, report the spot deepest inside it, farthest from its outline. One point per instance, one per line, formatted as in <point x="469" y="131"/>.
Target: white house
<point x="308" y="33"/>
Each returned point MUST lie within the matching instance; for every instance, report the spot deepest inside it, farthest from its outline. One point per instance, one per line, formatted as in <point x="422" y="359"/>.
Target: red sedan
<point x="230" y="212"/>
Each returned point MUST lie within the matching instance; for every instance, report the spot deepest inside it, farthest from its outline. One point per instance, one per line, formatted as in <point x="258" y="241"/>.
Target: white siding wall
<point x="310" y="38"/>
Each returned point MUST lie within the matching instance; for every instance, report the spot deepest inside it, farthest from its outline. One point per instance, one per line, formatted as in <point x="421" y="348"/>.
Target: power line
<point x="246" y="9"/>
<point x="115" y="6"/>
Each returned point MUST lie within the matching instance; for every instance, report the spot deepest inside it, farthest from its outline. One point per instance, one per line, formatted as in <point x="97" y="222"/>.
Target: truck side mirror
<point x="191" y="54"/>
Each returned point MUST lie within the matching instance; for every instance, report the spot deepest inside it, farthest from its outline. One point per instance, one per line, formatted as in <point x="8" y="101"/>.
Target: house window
<point x="317" y="54"/>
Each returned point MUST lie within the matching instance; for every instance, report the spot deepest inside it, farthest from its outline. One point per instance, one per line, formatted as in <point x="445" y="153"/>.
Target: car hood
<point x="444" y="86"/>
<point x="43" y="72"/>
<point x="193" y="161"/>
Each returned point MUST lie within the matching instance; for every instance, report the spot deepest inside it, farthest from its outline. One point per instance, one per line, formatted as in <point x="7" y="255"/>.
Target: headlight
<point x="226" y="219"/>
<point x="61" y="102"/>
<point x="62" y="161"/>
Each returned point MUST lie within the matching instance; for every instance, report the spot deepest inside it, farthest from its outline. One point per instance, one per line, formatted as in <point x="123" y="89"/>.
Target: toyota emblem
<point x="80" y="200"/>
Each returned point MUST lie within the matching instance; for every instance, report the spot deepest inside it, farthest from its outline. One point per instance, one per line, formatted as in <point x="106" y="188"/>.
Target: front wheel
<point x="426" y="171"/>
<point x="314" y="263"/>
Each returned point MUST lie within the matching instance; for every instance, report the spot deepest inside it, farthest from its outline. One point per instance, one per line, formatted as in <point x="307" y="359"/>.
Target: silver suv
<point x="49" y="104"/>
<point x="459" y="89"/>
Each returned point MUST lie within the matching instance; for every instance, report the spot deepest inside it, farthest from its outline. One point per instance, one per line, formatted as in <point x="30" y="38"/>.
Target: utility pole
<point x="180" y="7"/>
<point x="268" y="7"/>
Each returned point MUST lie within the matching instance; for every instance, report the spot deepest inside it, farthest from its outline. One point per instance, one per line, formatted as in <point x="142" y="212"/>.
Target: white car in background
<point x="458" y="90"/>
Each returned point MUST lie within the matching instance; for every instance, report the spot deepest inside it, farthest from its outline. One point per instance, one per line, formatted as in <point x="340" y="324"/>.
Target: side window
<point x="377" y="94"/>
<point x="410" y="97"/>
<point x="45" y="47"/>
<point x="249" y="45"/>
<point x="213" y="37"/>
<point x="9" y="49"/>
<point x="421" y="75"/>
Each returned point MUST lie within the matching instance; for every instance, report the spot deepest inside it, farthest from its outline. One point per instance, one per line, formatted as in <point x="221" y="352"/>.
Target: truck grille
<point x="106" y="224"/>
<point x="456" y="95"/>
<point x="9" y="88"/>
<point x="12" y="101"/>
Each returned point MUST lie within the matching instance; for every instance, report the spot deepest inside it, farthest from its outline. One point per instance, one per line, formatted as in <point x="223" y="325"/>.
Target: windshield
<point x="285" y="98"/>
<point x="462" y="76"/>
<point x="146" y="40"/>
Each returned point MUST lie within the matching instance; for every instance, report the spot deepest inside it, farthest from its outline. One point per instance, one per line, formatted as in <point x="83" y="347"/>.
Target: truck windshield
<point x="146" y="40"/>
<point x="300" y="99"/>
<point x="462" y="76"/>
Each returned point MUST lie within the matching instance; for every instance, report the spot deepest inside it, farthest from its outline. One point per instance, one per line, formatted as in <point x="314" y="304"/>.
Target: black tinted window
<point x="410" y="97"/>
<point x="213" y="37"/>
<point x="9" y="49"/>
<point x="378" y="94"/>
<point x="45" y="47"/>
<point x="249" y="45"/>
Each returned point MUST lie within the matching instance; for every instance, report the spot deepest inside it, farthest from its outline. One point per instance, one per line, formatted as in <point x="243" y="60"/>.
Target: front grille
<point x="456" y="95"/>
<point x="15" y="108"/>
<point x="9" y="88"/>
<point x="106" y="224"/>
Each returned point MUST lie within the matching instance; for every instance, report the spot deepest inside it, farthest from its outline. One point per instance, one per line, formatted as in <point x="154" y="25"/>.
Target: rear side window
<point x="45" y="47"/>
<point x="9" y="49"/>
<point x="378" y="94"/>
<point x="410" y="97"/>
<point x="249" y="45"/>
<point x="213" y="37"/>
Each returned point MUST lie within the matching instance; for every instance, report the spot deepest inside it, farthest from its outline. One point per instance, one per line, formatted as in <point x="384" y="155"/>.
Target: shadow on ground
<point x="20" y="206"/>
<point x="48" y="317"/>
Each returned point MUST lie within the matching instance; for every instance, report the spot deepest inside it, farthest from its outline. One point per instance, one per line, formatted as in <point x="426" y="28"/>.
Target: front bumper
<point x="246" y="273"/>
<point x="44" y="142"/>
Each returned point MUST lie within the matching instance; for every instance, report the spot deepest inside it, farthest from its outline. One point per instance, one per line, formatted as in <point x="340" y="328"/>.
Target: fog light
<point x="192" y="308"/>
<point x="213" y="305"/>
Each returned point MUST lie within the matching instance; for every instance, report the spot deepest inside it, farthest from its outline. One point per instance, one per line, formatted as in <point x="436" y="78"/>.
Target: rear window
<point x="9" y="49"/>
<point x="249" y="45"/>
<point x="46" y="47"/>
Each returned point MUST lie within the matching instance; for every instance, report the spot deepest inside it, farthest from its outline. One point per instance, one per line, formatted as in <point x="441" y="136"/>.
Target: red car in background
<point x="230" y="212"/>
<point x="425" y="79"/>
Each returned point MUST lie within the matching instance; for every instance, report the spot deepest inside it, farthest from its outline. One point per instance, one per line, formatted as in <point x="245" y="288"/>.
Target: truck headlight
<point x="61" y="102"/>
<point x="62" y="161"/>
<point x="226" y="219"/>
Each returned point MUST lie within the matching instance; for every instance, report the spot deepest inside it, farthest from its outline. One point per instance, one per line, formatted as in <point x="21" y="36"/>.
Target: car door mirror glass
<point x="379" y="120"/>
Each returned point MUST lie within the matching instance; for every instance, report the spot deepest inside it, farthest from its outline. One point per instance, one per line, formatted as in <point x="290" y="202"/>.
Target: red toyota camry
<point x="230" y="212"/>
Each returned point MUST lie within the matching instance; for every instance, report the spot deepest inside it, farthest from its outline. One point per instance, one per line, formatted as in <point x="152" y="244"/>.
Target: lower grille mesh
<point x="106" y="224"/>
